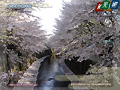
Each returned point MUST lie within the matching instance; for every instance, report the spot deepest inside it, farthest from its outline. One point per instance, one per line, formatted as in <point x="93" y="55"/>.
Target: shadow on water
<point x="46" y="77"/>
<point x="78" y="68"/>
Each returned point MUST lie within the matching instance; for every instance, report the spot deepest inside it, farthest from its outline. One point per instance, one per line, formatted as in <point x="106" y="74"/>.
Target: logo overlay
<point x="107" y="5"/>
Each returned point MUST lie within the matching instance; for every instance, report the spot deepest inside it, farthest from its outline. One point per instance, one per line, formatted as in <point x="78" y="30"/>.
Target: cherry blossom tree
<point x="22" y="36"/>
<point x="84" y="32"/>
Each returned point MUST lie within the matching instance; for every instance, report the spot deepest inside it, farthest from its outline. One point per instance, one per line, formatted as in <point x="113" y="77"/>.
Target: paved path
<point x="30" y="76"/>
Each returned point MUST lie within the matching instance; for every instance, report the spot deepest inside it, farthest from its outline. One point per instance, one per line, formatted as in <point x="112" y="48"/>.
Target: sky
<point x="48" y="15"/>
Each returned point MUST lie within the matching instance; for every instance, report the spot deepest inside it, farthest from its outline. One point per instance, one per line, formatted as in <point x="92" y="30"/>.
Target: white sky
<point x="48" y="15"/>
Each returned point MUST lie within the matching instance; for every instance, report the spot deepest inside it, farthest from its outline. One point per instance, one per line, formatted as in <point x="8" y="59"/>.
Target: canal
<point x="46" y="76"/>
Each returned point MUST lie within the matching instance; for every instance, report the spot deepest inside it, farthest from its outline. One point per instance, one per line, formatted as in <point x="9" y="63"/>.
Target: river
<point x="46" y="76"/>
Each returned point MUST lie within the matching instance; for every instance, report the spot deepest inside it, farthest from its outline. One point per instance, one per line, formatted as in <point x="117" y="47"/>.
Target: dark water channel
<point x="46" y="77"/>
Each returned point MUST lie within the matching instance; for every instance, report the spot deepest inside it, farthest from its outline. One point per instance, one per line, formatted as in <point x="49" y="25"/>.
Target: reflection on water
<point x="46" y="77"/>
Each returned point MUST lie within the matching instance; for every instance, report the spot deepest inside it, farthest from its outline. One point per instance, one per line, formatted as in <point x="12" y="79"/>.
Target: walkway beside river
<point x="30" y="76"/>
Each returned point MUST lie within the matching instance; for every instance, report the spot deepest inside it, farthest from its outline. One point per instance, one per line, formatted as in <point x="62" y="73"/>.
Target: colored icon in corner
<point x="98" y="7"/>
<point x="107" y="5"/>
<point x="114" y="4"/>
